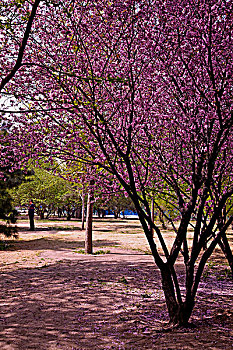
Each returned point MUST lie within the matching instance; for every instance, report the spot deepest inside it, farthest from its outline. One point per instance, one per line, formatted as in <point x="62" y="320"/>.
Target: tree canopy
<point x="48" y="193"/>
<point x="141" y="91"/>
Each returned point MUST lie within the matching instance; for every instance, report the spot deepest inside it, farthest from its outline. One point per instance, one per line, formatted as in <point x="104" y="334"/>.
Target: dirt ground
<point x="52" y="296"/>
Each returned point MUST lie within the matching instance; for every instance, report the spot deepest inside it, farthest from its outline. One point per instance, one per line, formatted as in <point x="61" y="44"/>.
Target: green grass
<point x="123" y="280"/>
<point x="98" y="252"/>
<point x="4" y="245"/>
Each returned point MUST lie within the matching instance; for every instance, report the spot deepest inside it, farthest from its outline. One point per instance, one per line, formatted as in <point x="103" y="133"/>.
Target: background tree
<point x="116" y="203"/>
<point x="141" y="92"/>
<point x="49" y="194"/>
<point x="9" y="179"/>
<point x="7" y="212"/>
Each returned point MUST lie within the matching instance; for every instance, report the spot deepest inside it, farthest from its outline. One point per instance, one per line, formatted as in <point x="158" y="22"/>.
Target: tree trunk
<point x="78" y="213"/>
<point x="83" y="208"/>
<point x="181" y="315"/>
<point x="179" y="312"/>
<point x="162" y="221"/>
<point x="224" y="244"/>
<point x="88" y="235"/>
<point x="152" y="214"/>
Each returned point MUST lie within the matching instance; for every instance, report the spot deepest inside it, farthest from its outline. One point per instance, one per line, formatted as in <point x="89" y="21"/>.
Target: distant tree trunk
<point x="224" y="244"/>
<point x="152" y="213"/>
<point x="88" y="235"/>
<point x="68" y="217"/>
<point x="41" y="212"/>
<point x="48" y="213"/>
<point x="78" y="213"/>
<point x="59" y="212"/>
<point x="162" y="220"/>
<point x="83" y="208"/>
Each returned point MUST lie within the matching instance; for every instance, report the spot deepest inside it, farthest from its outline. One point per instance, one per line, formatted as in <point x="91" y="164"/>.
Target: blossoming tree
<point x="140" y="91"/>
<point x="16" y="18"/>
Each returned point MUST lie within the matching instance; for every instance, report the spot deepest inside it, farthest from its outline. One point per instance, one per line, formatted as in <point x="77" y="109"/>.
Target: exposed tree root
<point x="171" y="326"/>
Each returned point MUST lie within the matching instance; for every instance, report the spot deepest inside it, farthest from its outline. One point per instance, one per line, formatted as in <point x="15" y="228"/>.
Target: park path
<point x="54" y="297"/>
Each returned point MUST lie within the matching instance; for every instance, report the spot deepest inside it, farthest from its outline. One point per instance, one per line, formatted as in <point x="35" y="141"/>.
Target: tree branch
<point x="22" y="47"/>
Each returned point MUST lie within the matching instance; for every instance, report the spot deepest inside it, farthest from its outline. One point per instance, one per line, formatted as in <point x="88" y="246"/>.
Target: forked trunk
<point x="181" y="315"/>
<point x="179" y="312"/>
<point x="224" y="244"/>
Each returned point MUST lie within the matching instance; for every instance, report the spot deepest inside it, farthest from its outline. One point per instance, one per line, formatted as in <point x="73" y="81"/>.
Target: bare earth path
<point x="54" y="297"/>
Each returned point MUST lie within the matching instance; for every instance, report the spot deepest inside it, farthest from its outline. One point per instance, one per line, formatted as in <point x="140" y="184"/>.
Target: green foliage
<point x="4" y="245"/>
<point x="224" y="274"/>
<point x="117" y="203"/>
<point x="123" y="280"/>
<point x="213" y="269"/>
<point x="8" y="214"/>
<point x="47" y="191"/>
<point x="80" y="251"/>
<point x="100" y="252"/>
<point x="146" y="295"/>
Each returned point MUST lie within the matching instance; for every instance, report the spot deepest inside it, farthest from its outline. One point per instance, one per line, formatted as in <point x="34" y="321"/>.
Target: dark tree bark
<point x="224" y="244"/>
<point x="89" y="219"/>
<point x="22" y="47"/>
<point x="83" y="208"/>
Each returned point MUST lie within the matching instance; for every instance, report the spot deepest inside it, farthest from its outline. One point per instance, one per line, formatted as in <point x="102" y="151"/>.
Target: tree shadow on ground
<point x="103" y="230"/>
<point x="117" y="228"/>
<point x="55" y="244"/>
<point x="54" y="229"/>
<point x="96" y="304"/>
